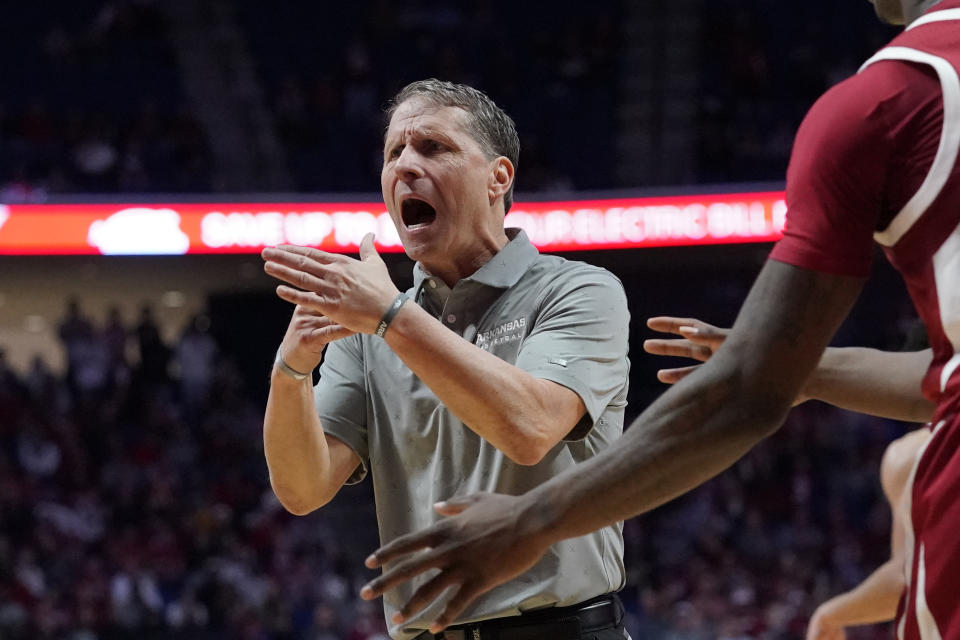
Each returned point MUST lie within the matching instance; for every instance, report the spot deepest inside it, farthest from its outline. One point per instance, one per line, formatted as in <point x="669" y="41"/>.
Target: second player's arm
<point x="879" y="383"/>
<point x="876" y="598"/>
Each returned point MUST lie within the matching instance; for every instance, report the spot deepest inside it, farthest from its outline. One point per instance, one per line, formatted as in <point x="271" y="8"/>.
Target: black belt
<point x="554" y="623"/>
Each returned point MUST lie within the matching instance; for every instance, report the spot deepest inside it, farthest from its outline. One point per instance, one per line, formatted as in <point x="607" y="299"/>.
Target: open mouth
<point x="417" y="213"/>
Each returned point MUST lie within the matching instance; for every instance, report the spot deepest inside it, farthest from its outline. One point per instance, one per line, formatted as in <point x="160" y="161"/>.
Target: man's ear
<point x="501" y="178"/>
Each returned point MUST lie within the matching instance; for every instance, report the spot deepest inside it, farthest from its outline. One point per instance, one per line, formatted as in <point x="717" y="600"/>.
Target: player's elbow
<point x="763" y="414"/>
<point x="529" y="446"/>
<point x="297" y="502"/>
<point x="526" y="456"/>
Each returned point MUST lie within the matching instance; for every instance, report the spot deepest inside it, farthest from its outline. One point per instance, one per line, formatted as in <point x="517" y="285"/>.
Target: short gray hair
<point x="491" y="127"/>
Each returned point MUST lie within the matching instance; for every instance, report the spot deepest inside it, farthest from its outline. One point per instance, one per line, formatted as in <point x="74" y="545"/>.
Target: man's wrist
<point x="390" y="314"/>
<point x="281" y="365"/>
<point x="820" y="373"/>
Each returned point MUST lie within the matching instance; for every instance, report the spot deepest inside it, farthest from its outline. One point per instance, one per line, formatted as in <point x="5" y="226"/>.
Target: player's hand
<point x="699" y="341"/>
<point x="307" y="335"/>
<point x="352" y="293"/>
<point x="822" y="627"/>
<point x="490" y="542"/>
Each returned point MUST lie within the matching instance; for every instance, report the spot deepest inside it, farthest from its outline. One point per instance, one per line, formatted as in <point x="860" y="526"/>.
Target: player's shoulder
<point x="557" y="271"/>
<point x="883" y="90"/>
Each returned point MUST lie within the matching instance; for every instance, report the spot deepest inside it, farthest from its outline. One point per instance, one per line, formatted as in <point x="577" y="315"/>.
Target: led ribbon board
<point x="244" y="227"/>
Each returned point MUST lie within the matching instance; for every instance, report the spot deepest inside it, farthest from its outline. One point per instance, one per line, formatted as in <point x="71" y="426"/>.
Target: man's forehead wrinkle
<point x="418" y="110"/>
<point x="421" y="125"/>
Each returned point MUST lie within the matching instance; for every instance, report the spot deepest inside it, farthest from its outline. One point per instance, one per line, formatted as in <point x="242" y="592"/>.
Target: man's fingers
<point x="368" y="250"/>
<point x="458" y="504"/>
<point x="425" y="595"/>
<point x="705" y="335"/>
<point x="305" y="299"/>
<point x="308" y="319"/>
<point x="686" y="327"/>
<point x="670" y="324"/>
<point x="330" y="333"/>
<point x="467" y="593"/>
<point x="291" y="253"/>
<point x="673" y="376"/>
<point x="403" y="545"/>
<point x="449" y="508"/>
<point x="399" y="574"/>
<point x="298" y="277"/>
<point x="678" y="347"/>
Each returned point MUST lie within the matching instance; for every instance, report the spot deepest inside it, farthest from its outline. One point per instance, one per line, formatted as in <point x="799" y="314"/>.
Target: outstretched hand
<point x="352" y="293"/>
<point x="487" y="541"/>
<point x="699" y="341"/>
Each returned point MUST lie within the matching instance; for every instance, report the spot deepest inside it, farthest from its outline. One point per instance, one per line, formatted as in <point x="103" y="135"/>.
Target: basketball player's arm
<point x="695" y="430"/>
<point x="873" y="600"/>
<point x="880" y="383"/>
<point x="523" y="416"/>
<point x="307" y="467"/>
<point x="876" y="598"/>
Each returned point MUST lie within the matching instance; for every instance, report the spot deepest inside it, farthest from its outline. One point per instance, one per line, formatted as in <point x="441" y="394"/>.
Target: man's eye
<point x="395" y="153"/>
<point x="433" y="145"/>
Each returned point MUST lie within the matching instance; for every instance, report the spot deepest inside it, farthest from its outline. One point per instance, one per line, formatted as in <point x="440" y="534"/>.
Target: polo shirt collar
<point x="502" y="271"/>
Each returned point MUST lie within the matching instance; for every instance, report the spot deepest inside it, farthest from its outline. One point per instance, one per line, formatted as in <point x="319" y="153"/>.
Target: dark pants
<point x="596" y="619"/>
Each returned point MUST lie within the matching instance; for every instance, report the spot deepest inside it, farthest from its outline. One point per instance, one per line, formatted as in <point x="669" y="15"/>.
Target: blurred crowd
<point x="94" y="103"/>
<point x="135" y="503"/>
<point x="761" y="70"/>
<point x="97" y="101"/>
<point x="547" y="69"/>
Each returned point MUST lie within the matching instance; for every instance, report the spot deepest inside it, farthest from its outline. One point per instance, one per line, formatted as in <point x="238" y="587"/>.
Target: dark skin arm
<point x="879" y="383"/>
<point x="695" y="430"/>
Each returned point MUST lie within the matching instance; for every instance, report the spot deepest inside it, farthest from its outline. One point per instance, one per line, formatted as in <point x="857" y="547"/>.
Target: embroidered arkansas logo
<point x="511" y="331"/>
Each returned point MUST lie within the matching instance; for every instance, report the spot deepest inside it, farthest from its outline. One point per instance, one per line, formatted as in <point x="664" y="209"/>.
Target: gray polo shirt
<point x="553" y="318"/>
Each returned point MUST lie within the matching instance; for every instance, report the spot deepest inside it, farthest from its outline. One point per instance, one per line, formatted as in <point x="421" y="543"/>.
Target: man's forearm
<point x="294" y="445"/>
<point x="500" y="402"/>
<point x="880" y="383"/>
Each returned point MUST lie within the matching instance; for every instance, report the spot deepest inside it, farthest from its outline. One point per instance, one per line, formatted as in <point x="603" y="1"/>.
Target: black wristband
<point x="391" y="312"/>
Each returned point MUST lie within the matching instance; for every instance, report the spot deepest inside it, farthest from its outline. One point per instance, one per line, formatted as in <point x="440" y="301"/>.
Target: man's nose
<point x="408" y="164"/>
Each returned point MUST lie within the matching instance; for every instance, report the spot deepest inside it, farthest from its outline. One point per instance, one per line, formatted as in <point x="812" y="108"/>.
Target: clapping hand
<point x="352" y="293"/>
